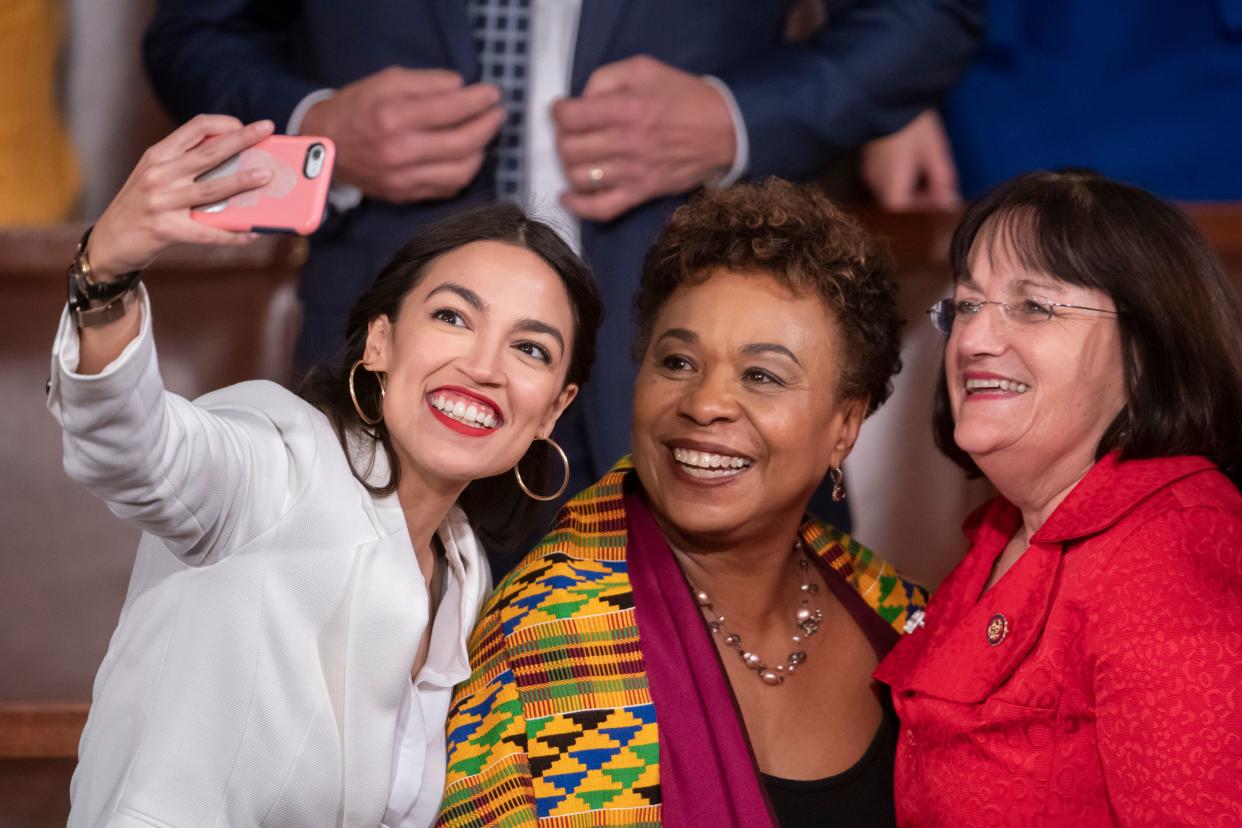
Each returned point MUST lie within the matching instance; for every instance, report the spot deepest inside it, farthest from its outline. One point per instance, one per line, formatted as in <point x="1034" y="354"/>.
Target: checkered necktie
<point x="501" y="31"/>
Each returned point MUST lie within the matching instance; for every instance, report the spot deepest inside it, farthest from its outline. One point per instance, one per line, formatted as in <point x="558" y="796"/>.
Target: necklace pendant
<point x="771" y="677"/>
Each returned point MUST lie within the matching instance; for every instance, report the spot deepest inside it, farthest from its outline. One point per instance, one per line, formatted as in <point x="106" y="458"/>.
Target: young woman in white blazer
<point x="308" y="573"/>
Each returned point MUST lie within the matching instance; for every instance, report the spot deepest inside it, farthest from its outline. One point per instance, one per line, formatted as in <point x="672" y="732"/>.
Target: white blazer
<point x="275" y="607"/>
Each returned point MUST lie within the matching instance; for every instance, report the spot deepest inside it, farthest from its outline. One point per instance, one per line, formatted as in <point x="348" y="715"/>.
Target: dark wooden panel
<point x="221" y="316"/>
<point x="34" y="793"/>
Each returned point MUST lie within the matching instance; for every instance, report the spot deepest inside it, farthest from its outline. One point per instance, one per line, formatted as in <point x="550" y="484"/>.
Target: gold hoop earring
<point x="354" y="396"/>
<point x="564" y="483"/>
<point x="838" y="483"/>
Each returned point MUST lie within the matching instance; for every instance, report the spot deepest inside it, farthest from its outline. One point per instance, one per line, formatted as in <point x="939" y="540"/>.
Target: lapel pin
<point x="914" y="621"/>
<point x="998" y="628"/>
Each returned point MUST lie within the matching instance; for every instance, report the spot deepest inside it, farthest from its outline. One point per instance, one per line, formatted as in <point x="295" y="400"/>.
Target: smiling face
<point x="736" y="417"/>
<point x="1031" y="402"/>
<point x="475" y="362"/>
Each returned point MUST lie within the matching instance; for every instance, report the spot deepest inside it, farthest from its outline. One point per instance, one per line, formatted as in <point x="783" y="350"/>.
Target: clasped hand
<point x="405" y="135"/>
<point x="644" y="128"/>
<point x="641" y="129"/>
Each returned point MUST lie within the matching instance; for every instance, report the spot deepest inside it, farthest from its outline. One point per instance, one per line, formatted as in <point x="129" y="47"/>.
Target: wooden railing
<point x="41" y="730"/>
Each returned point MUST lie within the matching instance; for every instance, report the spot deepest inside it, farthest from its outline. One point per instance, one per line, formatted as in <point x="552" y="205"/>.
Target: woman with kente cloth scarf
<point x="687" y="646"/>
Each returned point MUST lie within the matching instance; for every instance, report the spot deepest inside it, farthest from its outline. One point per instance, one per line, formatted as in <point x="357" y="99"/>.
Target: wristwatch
<point x="98" y="303"/>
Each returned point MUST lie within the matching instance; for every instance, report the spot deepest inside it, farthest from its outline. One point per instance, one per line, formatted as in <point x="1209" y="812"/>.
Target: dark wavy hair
<point x="796" y="235"/>
<point x="498" y="511"/>
<point x="1181" y="314"/>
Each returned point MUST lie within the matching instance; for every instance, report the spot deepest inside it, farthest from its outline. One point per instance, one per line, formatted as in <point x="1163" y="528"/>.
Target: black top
<point x="859" y="796"/>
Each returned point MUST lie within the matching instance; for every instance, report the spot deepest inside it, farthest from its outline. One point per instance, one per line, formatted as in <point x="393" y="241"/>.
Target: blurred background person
<point x="38" y="168"/>
<point x="1079" y="666"/>
<point x="1152" y="97"/>
<point x="598" y="115"/>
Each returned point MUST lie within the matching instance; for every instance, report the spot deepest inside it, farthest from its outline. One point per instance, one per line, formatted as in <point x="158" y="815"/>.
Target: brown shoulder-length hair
<point x="1180" y="312"/>
<point x="498" y="511"/>
<point x="796" y="235"/>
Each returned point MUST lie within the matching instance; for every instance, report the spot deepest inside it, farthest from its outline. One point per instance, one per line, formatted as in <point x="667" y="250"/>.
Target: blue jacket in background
<point x="1149" y="93"/>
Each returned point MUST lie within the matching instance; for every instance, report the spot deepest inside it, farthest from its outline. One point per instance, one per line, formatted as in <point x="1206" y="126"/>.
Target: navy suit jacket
<point x="874" y="66"/>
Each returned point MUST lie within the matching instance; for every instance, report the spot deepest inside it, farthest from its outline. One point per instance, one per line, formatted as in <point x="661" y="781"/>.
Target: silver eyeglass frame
<point x="942" y="314"/>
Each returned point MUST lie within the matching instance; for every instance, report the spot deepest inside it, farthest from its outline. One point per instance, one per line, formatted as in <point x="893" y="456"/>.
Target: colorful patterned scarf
<point x="557" y="725"/>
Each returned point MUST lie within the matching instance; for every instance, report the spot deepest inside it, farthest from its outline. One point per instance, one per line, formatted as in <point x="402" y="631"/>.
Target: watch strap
<point x="98" y="303"/>
<point x="80" y="272"/>
<point x="111" y="312"/>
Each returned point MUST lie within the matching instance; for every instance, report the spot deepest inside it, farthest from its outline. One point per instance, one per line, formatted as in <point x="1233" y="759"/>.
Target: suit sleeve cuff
<point x="342" y="197"/>
<point x="741" y="160"/>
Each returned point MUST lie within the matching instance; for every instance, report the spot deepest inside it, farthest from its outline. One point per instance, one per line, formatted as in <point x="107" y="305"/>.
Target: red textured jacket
<point x="1099" y="681"/>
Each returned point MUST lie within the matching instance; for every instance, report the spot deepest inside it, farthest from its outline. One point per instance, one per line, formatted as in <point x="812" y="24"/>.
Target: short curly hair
<point x="795" y="234"/>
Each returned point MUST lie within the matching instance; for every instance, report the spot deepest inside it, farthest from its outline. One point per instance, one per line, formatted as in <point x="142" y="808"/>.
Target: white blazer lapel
<point x="388" y="610"/>
<point x="387" y="615"/>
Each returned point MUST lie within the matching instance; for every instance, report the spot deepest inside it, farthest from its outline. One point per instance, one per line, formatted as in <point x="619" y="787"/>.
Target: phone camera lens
<point x="313" y="164"/>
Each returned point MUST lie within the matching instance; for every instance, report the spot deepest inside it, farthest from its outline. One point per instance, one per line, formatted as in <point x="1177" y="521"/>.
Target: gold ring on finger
<point x="596" y="176"/>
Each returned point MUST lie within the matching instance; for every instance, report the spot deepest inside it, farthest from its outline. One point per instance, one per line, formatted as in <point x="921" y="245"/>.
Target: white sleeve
<point x="741" y="160"/>
<point x="343" y="197"/>
<point x="205" y="477"/>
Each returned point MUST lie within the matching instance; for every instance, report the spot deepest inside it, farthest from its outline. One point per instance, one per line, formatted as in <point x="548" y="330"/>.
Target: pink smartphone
<point x="292" y="202"/>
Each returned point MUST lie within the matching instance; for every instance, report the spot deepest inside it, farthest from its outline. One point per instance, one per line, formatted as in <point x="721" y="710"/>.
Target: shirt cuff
<point x="741" y="160"/>
<point x="64" y="379"/>
<point x="342" y="197"/>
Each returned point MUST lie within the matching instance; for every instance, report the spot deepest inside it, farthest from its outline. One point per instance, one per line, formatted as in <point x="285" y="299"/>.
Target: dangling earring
<point x="564" y="483"/>
<point x="379" y="378"/>
<point x="838" y="483"/>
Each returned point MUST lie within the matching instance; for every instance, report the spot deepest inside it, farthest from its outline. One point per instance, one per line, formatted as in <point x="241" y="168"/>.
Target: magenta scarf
<point x="708" y="774"/>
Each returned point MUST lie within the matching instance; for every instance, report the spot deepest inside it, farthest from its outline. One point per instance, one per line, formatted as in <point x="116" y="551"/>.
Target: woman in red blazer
<point x="1083" y="664"/>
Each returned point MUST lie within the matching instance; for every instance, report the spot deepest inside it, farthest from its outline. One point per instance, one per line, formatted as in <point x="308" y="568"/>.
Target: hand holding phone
<point x="152" y="209"/>
<point x="291" y="202"/>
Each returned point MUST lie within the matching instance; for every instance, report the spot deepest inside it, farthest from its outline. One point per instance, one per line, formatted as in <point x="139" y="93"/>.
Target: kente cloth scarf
<point x="581" y="710"/>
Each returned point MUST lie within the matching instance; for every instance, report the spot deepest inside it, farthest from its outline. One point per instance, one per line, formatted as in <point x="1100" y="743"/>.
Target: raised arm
<point x="205" y="477"/>
<point x="152" y="211"/>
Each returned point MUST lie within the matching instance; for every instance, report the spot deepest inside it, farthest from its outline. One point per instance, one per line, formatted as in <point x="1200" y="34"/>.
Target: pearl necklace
<point x="807" y="621"/>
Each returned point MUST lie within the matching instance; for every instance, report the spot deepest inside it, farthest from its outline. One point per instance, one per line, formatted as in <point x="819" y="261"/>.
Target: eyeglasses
<point x="1030" y="311"/>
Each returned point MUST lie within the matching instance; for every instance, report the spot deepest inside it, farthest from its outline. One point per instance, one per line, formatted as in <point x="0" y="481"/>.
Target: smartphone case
<point x="289" y="203"/>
